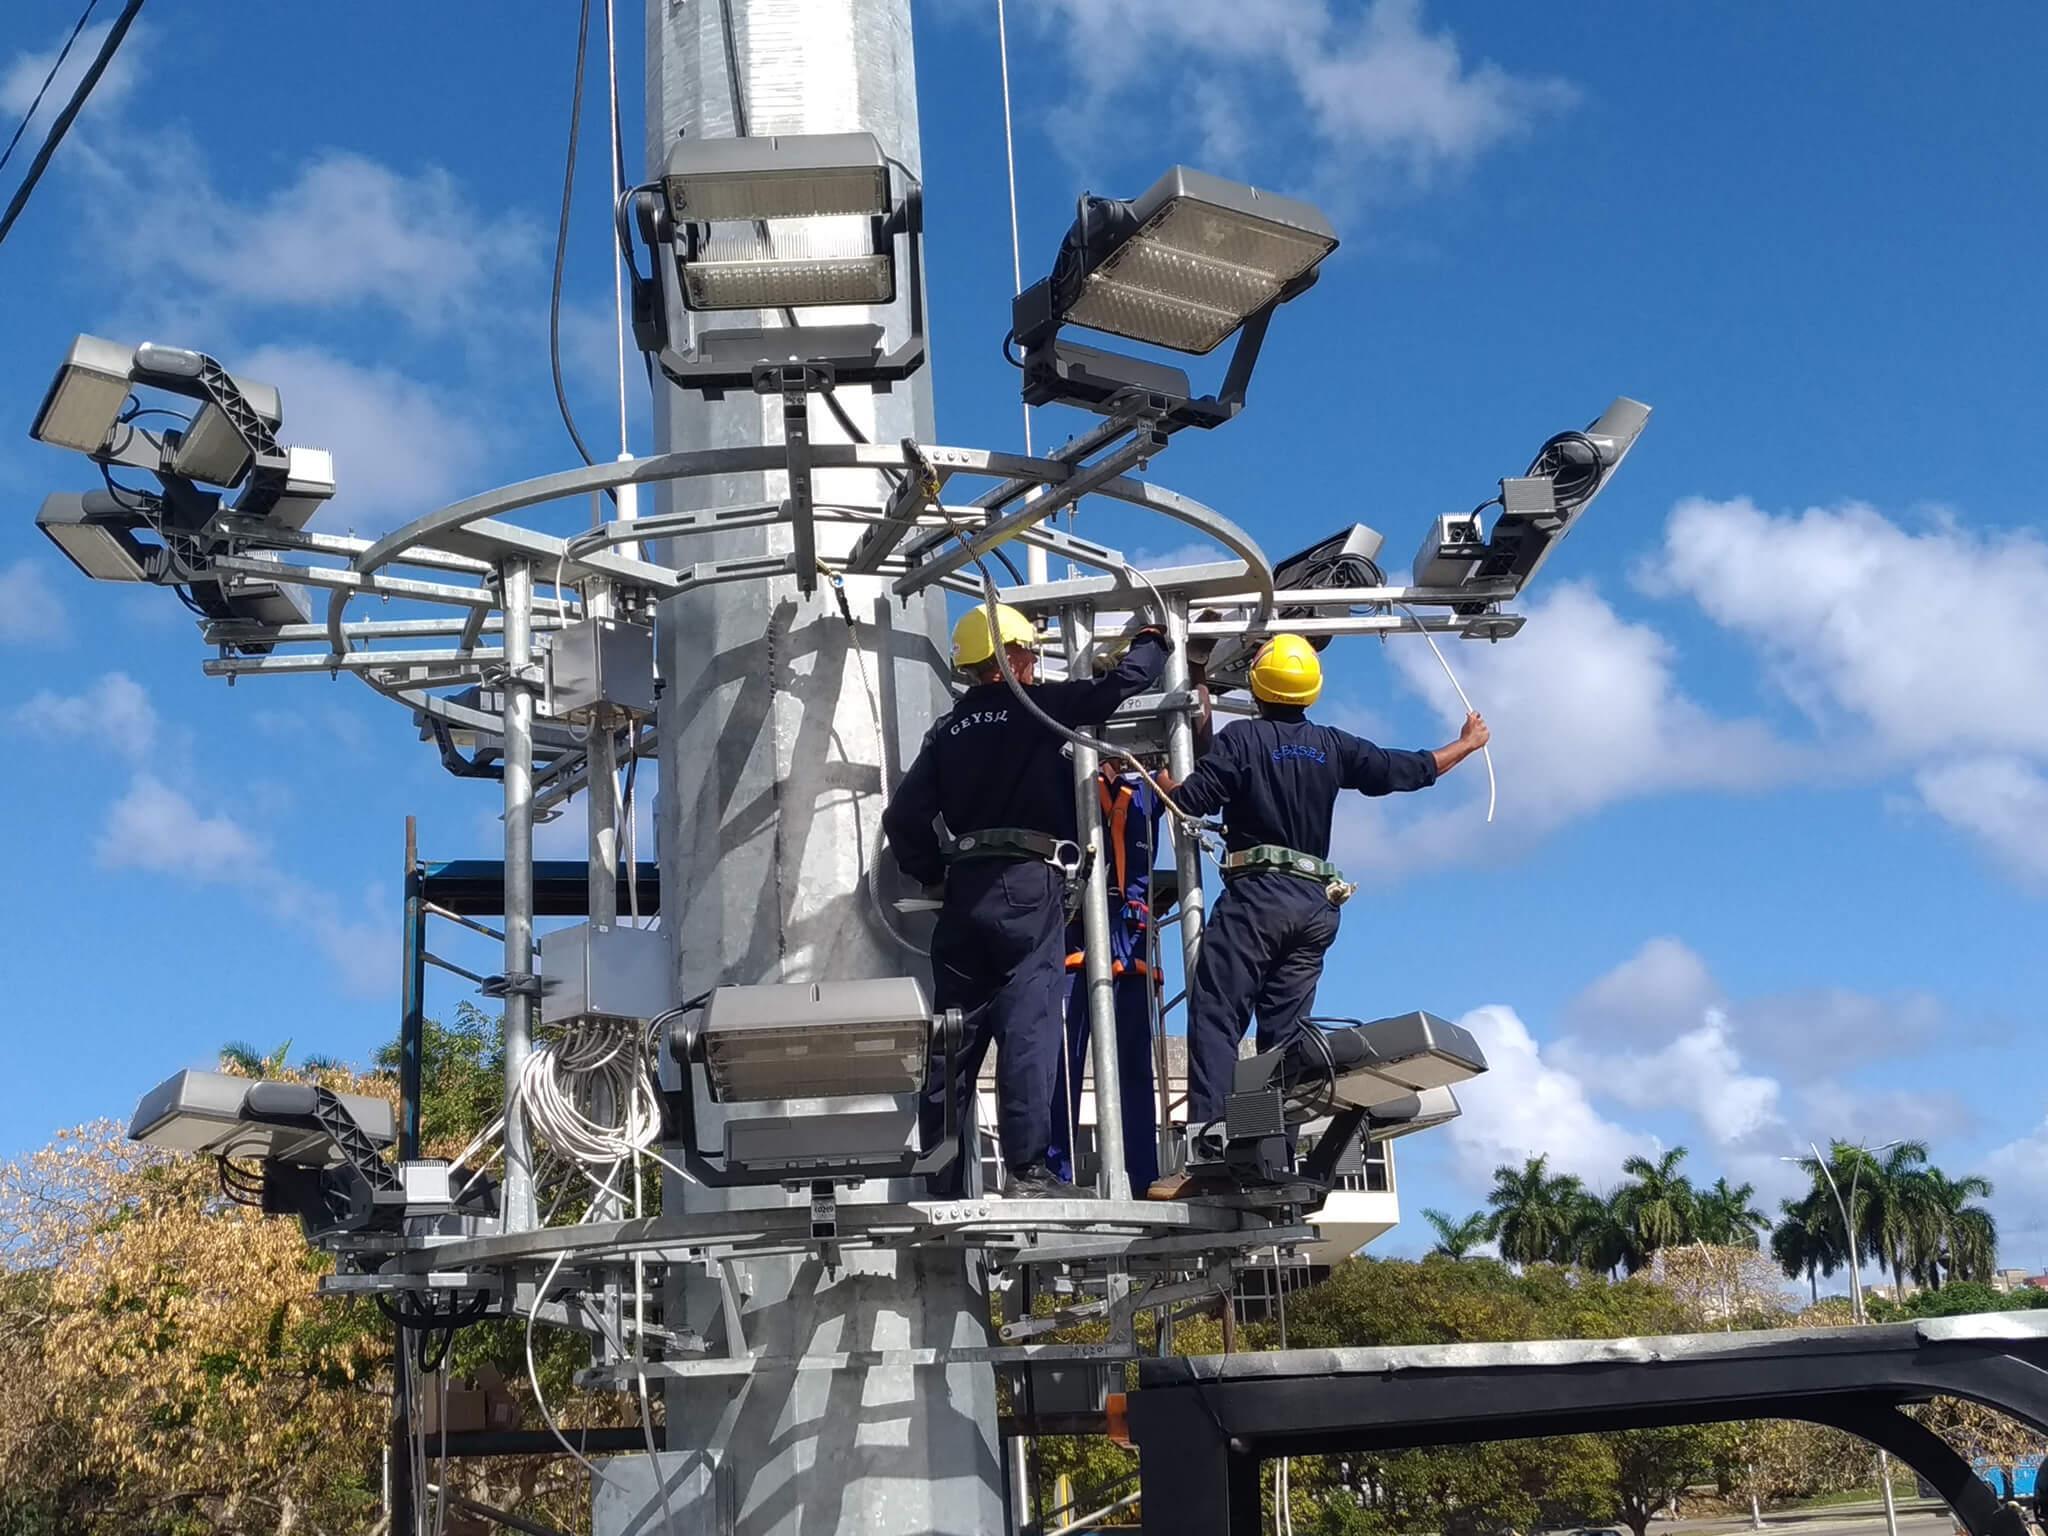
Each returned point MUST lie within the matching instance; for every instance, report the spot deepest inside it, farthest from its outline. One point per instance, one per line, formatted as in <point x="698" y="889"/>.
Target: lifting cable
<point x="108" y="47"/>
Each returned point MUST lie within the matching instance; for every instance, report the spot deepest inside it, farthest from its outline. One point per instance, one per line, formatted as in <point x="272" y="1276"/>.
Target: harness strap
<point x="1271" y="858"/>
<point x="1019" y="843"/>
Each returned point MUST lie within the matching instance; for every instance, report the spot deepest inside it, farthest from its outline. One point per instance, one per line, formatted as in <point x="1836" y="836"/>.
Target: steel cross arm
<point x="1206" y="582"/>
<point x="267" y="535"/>
<point x="342" y="579"/>
<point x="1362" y="597"/>
<point x="1486" y="626"/>
<point x="242" y="631"/>
<point x="455" y="664"/>
<point x="944" y="561"/>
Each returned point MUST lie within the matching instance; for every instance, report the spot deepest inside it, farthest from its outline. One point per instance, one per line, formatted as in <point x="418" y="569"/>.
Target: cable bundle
<point x="559" y="1087"/>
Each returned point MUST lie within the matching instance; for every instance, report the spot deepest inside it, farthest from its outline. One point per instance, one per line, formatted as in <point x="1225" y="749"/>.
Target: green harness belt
<point x="1062" y="853"/>
<point x="1272" y="859"/>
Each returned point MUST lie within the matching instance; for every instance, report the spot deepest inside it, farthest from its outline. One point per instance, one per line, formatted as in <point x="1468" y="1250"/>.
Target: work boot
<point x="1186" y="1186"/>
<point x="1035" y="1181"/>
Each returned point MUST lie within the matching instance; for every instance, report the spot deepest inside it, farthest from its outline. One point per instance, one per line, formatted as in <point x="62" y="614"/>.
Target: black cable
<point x="62" y="54"/>
<point x="1573" y="481"/>
<point x="62" y="125"/>
<point x="562" y="248"/>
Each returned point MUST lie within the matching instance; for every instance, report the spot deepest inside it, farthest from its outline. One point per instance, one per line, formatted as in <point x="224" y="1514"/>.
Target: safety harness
<point x="1116" y="797"/>
<point x="1272" y="859"/>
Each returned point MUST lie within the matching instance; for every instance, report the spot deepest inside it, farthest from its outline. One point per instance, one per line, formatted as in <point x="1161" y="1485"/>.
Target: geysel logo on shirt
<point x="978" y="717"/>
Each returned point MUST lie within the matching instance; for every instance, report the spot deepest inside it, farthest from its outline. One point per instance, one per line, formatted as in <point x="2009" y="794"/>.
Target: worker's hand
<point x="1165" y="780"/>
<point x="1155" y="632"/>
<point x="1476" y="733"/>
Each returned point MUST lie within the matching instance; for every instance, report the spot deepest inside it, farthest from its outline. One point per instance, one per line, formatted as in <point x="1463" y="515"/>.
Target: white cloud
<point x="30" y="612"/>
<point x="115" y="710"/>
<point x="1665" y="989"/>
<point x="1922" y="641"/>
<point x="399" y="446"/>
<point x="1699" y="1071"/>
<point x="2002" y="802"/>
<point x="155" y="828"/>
<point x="1586" y="710"/>
<point x="1523" y="1105"/>
<point x="345" y="231"/>
<point x="1927" y="638"/>
<point x="1371" y="82"/>
<point x="158" y="829"/>
<point x="23" y="76"/>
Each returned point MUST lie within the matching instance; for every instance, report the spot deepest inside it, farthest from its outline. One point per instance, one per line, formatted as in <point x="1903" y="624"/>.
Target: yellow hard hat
<point x="971" y="643"/>
<point x="1287" y="671"/>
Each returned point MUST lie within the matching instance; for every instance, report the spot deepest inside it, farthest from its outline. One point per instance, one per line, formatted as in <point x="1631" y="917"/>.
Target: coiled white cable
<point x="558" y="1088"/>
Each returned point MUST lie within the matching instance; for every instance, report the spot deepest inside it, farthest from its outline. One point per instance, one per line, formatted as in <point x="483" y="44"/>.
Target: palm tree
<point x="241" y="1057"/>
<point x="1534" y="1212"/>
<point x="1887" y="1199"/>
<point x="1658" y="1204"/>
<point x="1457" y="1239"/>
<point x="1963" y="1238"/>
<point x="1724" y="1217"/>
<point x="1601" y="1240"/>
<point x="1808" y="1241"/>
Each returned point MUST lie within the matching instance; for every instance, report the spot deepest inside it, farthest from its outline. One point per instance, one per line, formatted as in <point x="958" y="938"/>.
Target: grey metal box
<point x="601" y="670"/>
<point x="1456" y="543"/>
<point x="594" y="972"/>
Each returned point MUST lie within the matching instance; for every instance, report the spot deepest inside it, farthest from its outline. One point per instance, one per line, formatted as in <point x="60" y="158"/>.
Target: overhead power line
<point x="108" y="47"/>
<point x="42" y="90"/>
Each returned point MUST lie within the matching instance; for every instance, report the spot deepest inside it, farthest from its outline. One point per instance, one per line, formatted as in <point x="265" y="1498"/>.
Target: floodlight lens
<point x="1193" y="272"/>
<point x="809" y="1061"/>
<point x="82" y="408"/>
<point x="212" y="449"/>
<point x="99" y="552"/>
<point x="779" y="194"/>
<point x="831" y="263"/>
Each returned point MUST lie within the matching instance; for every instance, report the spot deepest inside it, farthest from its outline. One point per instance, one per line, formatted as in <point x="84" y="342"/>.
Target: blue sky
<point x="1770" y="857"/>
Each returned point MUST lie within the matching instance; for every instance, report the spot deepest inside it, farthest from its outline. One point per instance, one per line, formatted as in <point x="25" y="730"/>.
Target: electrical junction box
<point x="594" y="973"/>
<point x="1456" y="544"/>
<point x="601" y="671"/>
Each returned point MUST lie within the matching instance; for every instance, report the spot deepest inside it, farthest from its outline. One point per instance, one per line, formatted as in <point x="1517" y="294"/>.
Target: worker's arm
<point x="1373" y="770"/>
<point x="908" y="822"/>
<point x="1089" y="701"/>
<point x="1216" y="777"/>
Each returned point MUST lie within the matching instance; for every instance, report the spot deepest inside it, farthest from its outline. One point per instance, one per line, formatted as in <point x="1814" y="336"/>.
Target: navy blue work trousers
<point x="1262" y="949"/>
<point x="998" y="956"/>
<point x="1134" y="1079"/>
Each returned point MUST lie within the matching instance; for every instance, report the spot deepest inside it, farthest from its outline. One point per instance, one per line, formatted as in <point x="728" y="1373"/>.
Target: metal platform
<point x="1203" y="1425"/>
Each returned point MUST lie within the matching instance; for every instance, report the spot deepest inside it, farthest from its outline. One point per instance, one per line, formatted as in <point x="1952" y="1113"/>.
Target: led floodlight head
<point x="86" y="397"/>
<point x="1387" y="1060"/>
<point x="815" y="1040"/>
<point x="94" y="533"/>
<point x="1187" y="263"/>
<point x="208" y="1112"/>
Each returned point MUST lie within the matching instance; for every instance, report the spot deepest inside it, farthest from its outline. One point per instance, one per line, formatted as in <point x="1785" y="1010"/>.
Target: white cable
<point x="1492" y="787"/>
<point x="611" y="44"/>
<point x="1010" y="158"/>
<point x="557" y="1085"/>
<point x="533" y="1376"/>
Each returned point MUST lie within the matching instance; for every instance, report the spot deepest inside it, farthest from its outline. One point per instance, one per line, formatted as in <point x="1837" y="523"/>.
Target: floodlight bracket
<point x="197" y="376"/>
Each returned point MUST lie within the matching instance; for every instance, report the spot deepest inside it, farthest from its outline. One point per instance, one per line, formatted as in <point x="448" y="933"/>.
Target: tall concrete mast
<point x="781" y="730"/>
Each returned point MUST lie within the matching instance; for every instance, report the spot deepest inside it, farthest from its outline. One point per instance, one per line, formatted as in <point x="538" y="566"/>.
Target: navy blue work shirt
<point x="1276" y="779"/>
<point x="991" y="763"/>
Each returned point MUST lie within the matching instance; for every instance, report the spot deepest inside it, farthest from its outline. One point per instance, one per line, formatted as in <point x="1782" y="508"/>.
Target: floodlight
<point x="1423" y="1111"/>
<point x="779" y="222"/>
<point x="815" y="1039"/>
<point x="86" y="397"/>
<point x="1540" y="507"/>
<point x="213" y="448"/>
<point x="1376" y="1064"/>
<point x="210" y="1112"/>
<point x="1189" y="262"/>
<point x="724" y="195"/>
<point x="1192" y="262"/>
<point x="306" y="487"/>
<point x="96" y="539"/>
<point x="1347" y="558"/>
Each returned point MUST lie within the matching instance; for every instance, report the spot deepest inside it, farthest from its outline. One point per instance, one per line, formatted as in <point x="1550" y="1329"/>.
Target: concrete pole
<point x="517" y="579"/>
<point x="781" y="729"/>
<point x="1112" y="1178"/>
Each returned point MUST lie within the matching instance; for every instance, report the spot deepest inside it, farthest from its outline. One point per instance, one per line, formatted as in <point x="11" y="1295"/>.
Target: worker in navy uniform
<point x="1276" y="780"/>
<point x="999" y="779"/>
<point x="1130" y="831"/>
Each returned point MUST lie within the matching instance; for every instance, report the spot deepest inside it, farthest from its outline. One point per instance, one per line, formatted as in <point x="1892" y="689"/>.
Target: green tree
<point x="1724" y="1218"/>
<point x="1657" y="1204"/>
<point x="1535" y="1212"/>
<point x="1807" y="1241"/>
<point x="1886" y="1198"/>
<point x="1960" y="1239"/>
<point x="1457" y="1239"/>
<point x="1652" y="1467"/>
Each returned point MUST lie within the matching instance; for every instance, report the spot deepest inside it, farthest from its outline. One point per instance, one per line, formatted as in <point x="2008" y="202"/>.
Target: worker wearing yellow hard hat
<point x="992" y="773"/>
<point x="1276" y="779"/>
